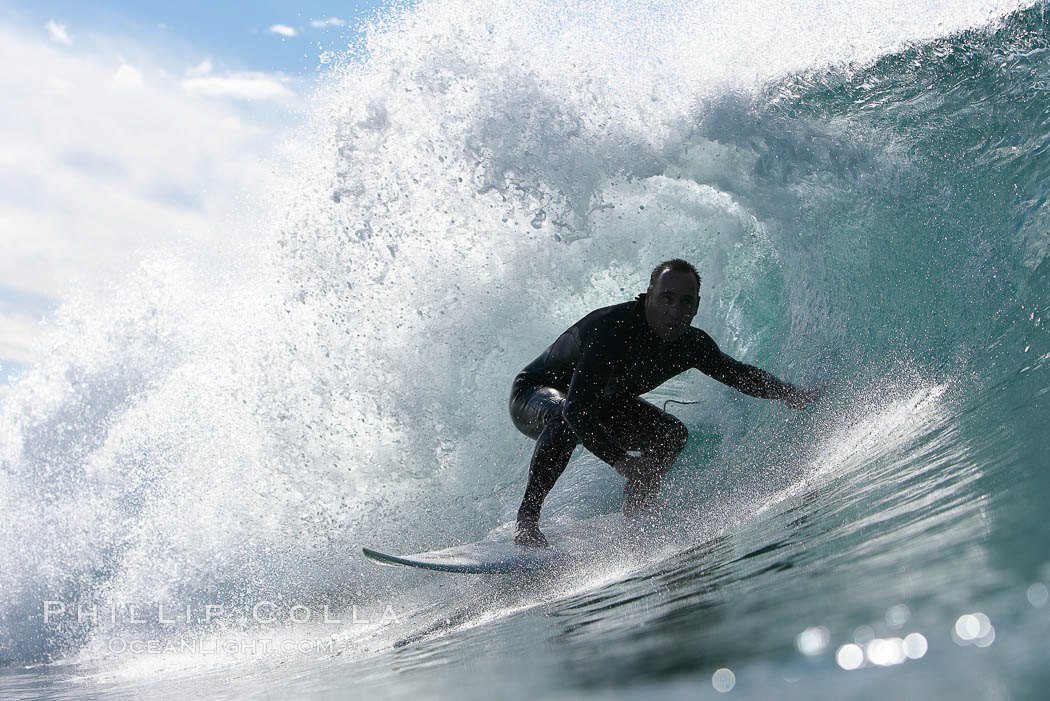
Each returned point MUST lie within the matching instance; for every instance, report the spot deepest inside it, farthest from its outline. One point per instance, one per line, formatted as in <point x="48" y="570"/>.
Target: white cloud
<point x="18" y="334"/>
<point x="118" y="172"/>
<point x="202" y="68"/>
<point x="240" y="86"/>
<point x="59" y="33"/>
<point x="329" y="22"/>
<point x="283" y="29"/>
<point x="126" y="78"/>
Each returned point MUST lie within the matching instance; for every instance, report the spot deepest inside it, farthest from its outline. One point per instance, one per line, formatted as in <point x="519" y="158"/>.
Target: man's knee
<point x="558" y="431"/>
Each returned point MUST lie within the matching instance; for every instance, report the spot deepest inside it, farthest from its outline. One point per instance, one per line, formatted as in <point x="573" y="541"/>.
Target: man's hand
<point x="528" y="533"/>
<point x="801" y="397"/>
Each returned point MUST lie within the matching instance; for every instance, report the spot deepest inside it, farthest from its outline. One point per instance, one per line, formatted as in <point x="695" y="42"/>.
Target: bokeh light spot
<point x="863" y="635"/>
<point x="897" y="615"/>
<point x="850" y="656"/>
<point x="973" y="628"/>
<point x="1038" y="595"/>
<point x="915" y="645"/>
<point x="967" y="627"/>
<point x="886" y="651"/>
<point x="813" y="640"/>
<point x="723" y="680"/>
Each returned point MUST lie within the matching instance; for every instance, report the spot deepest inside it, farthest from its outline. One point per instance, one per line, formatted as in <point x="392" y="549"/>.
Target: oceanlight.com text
<point x="57" y="612"/>
<point x="259" y="646"/>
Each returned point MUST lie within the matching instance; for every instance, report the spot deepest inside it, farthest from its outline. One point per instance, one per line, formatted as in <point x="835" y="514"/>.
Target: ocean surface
<point x="188" y="475"/>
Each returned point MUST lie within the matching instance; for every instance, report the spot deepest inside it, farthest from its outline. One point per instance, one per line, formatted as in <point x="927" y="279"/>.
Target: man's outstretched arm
<point x="753" y="381"/>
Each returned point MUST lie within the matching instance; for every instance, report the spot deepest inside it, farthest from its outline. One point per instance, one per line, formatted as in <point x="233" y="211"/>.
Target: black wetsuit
<point x="585" y="389"/>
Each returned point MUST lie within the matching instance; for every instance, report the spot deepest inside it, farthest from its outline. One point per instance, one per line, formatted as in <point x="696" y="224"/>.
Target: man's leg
<point x="536" y="412"/>
<point x="638" y="425"/>
<point x="553" y="449"/>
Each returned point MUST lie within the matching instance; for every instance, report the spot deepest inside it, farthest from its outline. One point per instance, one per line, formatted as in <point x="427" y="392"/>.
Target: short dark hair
<point x="677" y="265"/>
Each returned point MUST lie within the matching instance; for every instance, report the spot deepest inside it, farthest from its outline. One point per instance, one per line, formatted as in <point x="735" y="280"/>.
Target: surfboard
<point x="485" y="557"/>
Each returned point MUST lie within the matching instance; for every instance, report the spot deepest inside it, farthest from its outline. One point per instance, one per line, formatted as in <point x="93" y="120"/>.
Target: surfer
<point x="585" y="388"/>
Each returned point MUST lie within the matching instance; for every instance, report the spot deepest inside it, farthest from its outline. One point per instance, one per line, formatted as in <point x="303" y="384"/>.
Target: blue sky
<point x="237" y="34"/>
<point x="137" y="127"/>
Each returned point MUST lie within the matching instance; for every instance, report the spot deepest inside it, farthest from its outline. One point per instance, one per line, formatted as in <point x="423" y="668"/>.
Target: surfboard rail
<point x="473" y="558"/>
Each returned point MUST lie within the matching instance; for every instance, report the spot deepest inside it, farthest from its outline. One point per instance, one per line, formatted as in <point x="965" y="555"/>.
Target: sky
<point x="130" y="126"/>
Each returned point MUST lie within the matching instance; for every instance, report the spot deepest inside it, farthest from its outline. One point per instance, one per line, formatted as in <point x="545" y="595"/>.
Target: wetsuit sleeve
<point x="740" y="376"/>
<point x="584" y="400"/>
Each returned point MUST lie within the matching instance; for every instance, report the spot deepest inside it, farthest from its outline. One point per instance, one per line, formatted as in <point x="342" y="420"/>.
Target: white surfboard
<point x="475" y="558"/>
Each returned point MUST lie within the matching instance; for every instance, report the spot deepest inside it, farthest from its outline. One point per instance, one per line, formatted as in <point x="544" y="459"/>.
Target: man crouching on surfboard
<point x="585" y="389"/>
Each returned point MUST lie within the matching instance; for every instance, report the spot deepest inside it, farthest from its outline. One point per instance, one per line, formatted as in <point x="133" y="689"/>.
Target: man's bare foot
<point x="528" y="533"/>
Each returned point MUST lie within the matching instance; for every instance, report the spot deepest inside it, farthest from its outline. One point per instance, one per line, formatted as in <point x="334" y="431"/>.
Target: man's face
<point x="671" y="304"/>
